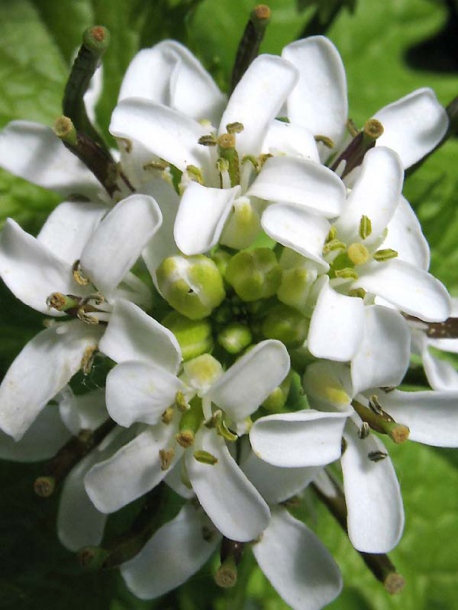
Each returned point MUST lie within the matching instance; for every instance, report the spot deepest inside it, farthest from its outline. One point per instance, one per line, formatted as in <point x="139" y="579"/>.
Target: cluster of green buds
<point x="231" y="300"/>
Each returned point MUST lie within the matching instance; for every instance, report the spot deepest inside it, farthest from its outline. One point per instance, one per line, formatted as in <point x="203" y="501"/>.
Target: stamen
<point x="88" y="359"/>
<point x="325" y="140"/>
<point x="185" y="438"/>
<point x="63" y="302"/>
<point x="365" y="227"/>
<point x="78" y="274"/>
<point x="167" y="416"/>
<point x="364" y="431"/>
<point x="204" y="457"/>
<point x="181" y="403"/>
<point x="166" y="457"/>
<point x="384" y="255"/>
<point x="208" y="140"/>
<point x="377" y="456"/>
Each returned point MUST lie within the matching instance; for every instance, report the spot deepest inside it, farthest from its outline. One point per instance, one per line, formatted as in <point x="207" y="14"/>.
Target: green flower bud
<point x="201" y="372"/>
<point x="243" y="225"/>
<point x="194" y="336"/>
<point x="295" y="286"/>
<point x="191" y="284"/>
<point x="235" y="337"/>
<point x="221" y="259"/>
<point x="287" y="325"/>
<point x="277" y="399"/>
<point x="254" y="274"/>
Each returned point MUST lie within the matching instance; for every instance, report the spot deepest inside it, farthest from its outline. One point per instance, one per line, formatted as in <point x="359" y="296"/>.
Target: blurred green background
<point x="389" y="48"/>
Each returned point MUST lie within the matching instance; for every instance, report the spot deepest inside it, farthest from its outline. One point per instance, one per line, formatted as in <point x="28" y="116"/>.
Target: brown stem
<point x="68" y="456"/>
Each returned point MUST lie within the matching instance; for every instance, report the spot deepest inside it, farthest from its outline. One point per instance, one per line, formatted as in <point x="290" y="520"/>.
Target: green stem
<point x="95" y="42"/>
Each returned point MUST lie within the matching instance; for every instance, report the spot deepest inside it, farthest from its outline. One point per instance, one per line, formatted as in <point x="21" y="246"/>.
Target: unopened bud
<point x="286" y="325"/>
<point x="192" y="285"/>
<point x="194" y="336"/>
<point x="235" y="337"/>
<point x="254" y="274"/>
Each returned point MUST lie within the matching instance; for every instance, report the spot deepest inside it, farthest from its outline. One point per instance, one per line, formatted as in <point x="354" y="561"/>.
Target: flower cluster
<point x="253" y="281"/>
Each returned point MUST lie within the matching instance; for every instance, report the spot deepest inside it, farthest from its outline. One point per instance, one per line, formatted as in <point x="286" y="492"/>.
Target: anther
<point x="166" y="457"/>
<point x="204" y="457"/>
<point x="364" y="431"/>
<point x="377" y="456"/>
<point x="78" y="274"/>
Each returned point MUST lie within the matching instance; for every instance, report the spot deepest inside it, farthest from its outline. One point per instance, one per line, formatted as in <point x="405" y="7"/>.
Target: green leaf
<point x="32" y="69"/>
<point x="65" y="22"/>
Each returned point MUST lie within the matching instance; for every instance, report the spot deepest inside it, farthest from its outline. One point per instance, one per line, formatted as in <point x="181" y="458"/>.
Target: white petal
<point x="175" y="479"/>
<point x="169" y="74"/>
<point x="297" y="563"/>
<point x="138" y="392"/>
<point x="336" y="327"/>
<point x="375" y="194"/>
<point x="319" y="100"/>
<point x="242" y="389"/>
<point x="303" y="438"/>
<point x="31" y="271"/>
<point x="290" y="139"/>
<point x="42" y="440"/>
<point x="233" y="504"/>
<point x="328" y="385"/>
<point x="79" y="523"/>
<point x="257" y="99"/>
<point x="83" y="411"/>
<point x="442" y="375"/>
<point x="277" y="484"/>
<point x="182" y="551"/>
<point x="431" y="416"/>
<point x="375" y="513"/>
<point x="132" y="334"/>
<point x="299" y="181"/>
<point x="201" y="217"/>
<point x="43" y="368"/>
<point x="406" y="237"/>
<point x="33" y="152"/>
<point x="68" y="228"/>
<point x="118" y="241"/>
<point x="163" y="244"/>
<point x="413" y="125"/>
<point x="411" y="289"/>
<point x="170" y="135"/>
<point x="384" y="354"/>
<point x="298" y="229"/>
<point x="132" y="471"/>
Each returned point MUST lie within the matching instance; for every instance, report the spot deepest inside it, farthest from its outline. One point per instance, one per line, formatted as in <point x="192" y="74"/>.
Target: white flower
<point x="375" y="514"/>
<point x="220" y="205"/>
<point x="145" y="384"/>
<point x="376" y="244"/>
<point x="39" y="271"/>
<point x="289" y="554"/>
<point x="413" y="125"/>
